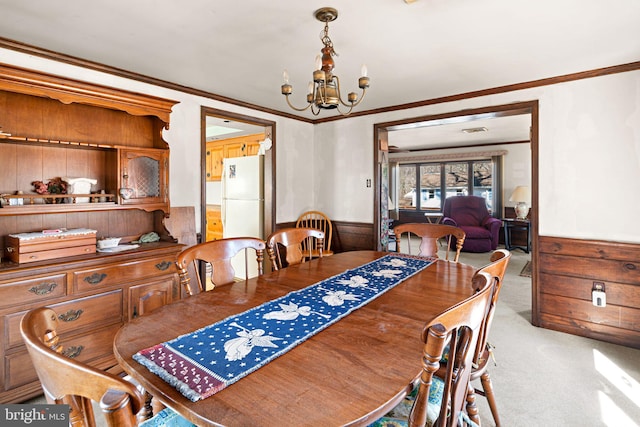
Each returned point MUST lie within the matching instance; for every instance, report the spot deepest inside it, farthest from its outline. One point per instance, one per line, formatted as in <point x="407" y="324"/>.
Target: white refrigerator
<point x="242" y="207"/>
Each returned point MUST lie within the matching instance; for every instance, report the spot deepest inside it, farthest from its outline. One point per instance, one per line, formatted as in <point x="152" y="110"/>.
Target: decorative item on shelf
<point x="102" y="199"/>
<point x="80" y="186"/>
<point x="54" y="186"/>
<point x="522" y="196"/>
<point x="126" y="192"/>
<point x="324" y="90"/>
<point x="108" y="242"/>
<point x="16" y="202"/>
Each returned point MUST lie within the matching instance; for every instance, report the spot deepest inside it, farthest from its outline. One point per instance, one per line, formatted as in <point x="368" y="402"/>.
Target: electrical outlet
<point x="368" y="183"/>
<point x="599" y="298"/>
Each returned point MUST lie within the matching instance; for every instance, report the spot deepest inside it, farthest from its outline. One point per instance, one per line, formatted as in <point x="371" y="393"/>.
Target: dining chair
<point x="496" y="268"/>
<point x="440" y="401"/>
<point x="289" y="241"/>
<point x="430" y="235"/>
<point x="218" y="253"/>
<point x="319" y="221"/>
<point x="71" y="382"/>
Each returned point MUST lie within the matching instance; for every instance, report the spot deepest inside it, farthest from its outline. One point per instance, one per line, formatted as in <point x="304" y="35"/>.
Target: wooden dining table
<point x="351" y="373"/>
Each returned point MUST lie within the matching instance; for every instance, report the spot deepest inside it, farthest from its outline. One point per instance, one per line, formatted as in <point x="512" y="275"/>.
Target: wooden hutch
<point x="57" y="127"/>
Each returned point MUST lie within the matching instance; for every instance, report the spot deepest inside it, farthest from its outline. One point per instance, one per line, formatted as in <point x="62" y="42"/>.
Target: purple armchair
<point x="470" y="213"/>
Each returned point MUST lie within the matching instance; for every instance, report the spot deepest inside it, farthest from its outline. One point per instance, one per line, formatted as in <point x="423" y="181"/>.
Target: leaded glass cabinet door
<point x="144" y="178"/>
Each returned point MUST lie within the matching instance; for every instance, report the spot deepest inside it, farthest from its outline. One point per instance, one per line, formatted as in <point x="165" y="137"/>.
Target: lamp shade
<point x="522" y="193"/>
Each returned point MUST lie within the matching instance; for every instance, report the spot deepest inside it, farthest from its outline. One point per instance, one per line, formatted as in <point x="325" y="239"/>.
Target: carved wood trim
<point x="21" y="80"/>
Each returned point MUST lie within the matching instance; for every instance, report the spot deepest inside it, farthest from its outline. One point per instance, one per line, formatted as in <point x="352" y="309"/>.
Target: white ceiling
<point x="414" y="52"/>
<point x="500" y="129"/>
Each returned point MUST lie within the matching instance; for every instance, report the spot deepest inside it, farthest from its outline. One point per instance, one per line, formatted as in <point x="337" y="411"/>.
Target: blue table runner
<point x="203" y="362"/>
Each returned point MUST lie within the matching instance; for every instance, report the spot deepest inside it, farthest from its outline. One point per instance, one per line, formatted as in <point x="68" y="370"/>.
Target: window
<point x="456" y="178"/>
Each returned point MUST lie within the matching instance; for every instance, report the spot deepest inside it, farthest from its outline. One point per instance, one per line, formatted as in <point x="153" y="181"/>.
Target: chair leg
<point x="485" y="379"/>
<point x="472" y="408"/>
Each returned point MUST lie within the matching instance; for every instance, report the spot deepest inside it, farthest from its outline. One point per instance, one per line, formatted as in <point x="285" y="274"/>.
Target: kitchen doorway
<point x="226" y="134"/>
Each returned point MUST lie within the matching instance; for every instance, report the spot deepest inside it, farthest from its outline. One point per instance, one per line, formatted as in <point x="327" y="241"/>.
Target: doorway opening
<point x="226" y="134"/>
<point x="469" y="118"/>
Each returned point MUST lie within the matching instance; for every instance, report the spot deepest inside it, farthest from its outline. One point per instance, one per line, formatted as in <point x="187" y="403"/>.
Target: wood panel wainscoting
<point x="569" y="270"/>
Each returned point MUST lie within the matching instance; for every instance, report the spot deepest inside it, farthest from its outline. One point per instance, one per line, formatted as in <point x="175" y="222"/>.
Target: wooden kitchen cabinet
<point x="215" y="154"/>
<point x="214" y="223"/>
<point x="58" y="127"/>
<point x="241" y="146"/>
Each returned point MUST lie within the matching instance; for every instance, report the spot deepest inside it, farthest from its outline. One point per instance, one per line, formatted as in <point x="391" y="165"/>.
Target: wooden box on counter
<point x="41" y="246"/>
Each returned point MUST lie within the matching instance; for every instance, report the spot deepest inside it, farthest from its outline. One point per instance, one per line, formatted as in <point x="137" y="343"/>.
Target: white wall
<point x="589" y="157"/>
<point x="589" y="153"/>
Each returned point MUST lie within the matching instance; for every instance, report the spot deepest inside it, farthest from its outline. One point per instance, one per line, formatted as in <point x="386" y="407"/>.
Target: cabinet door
<point x="144" y="176"/>
<point x="252" y="149"/>
<point x="145" y="298"/>
<point x="215" y="154"/>
<point x="214" y="224"/>
<point x="234" y="149"/>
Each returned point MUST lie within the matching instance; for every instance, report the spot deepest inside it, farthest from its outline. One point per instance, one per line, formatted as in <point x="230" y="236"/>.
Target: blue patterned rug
<point x="201" y="363"/>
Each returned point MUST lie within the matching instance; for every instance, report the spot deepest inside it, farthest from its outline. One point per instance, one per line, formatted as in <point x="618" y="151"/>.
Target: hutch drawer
<point x="32" y="290"/>
<point x="85" y="348"/>
<point x="90" y="279"/>
<point x="75" y="315"/>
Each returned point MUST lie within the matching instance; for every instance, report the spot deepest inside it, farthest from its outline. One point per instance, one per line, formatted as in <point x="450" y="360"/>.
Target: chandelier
<point x="324" y="90"/>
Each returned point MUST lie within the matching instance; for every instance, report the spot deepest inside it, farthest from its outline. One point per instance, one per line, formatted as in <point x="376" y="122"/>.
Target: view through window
<point x="431" y="180"/>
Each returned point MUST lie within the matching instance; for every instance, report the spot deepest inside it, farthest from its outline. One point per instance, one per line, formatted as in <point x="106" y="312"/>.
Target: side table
<point x="511" y="224"/>
<point x="433" y="217"/>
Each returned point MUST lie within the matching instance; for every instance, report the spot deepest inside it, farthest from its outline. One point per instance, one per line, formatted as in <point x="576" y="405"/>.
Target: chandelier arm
<point x="322" y="90"/>
<point x="316" y="111"/>
<point x="350" y="104"/>
<point x="339" y="92"/>
<point x="297" y="109"/>
<point x="348" y="112"/>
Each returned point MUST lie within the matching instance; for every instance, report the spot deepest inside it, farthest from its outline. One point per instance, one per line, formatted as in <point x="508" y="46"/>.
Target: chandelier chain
<point x="326" y="40"/>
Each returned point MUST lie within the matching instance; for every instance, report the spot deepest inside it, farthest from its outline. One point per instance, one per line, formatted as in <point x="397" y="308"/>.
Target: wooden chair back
<point x="289" y="241"/>
<point x="457" y="328"/>
<point x="67" y="381"/>
<point x="496" y="269"/>
<point x="218" y="253"/>
<point x="319" y="221"/>
<point x="430" y="235"/>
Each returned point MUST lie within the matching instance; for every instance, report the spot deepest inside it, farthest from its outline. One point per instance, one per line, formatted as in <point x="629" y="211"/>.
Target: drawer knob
<point x="95" y="278"/>
<point x="163" y="265"/>
<point x="44" y="288"/>
<point x="73" y="351"/>
<point x="70" y="315"/>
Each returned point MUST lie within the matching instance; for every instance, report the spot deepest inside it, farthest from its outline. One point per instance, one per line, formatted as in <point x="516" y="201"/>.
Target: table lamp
<point x="522" y="196"/>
